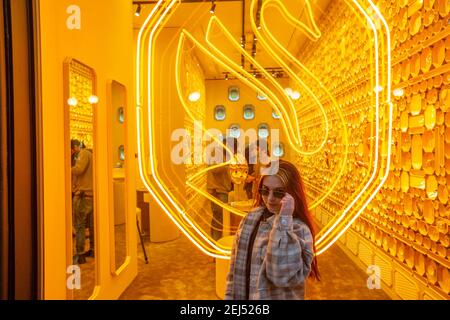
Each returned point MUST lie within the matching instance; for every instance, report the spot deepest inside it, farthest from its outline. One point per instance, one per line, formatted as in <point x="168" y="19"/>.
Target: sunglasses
<point x="279" y="194"/>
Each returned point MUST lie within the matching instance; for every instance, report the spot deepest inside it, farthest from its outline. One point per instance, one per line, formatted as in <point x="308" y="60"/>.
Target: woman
<point x="273" y="252"/>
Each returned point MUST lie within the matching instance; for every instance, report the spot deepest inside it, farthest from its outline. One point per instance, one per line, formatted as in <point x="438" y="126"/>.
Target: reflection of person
<point x="82" y="202"/>
<point x="273" y="252"/>
<point x="256" y="154"/>
<point x="251" y="152"/>
<point x="219" y="184"/>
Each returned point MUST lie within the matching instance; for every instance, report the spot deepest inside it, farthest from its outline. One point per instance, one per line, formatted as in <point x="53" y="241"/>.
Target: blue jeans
<point x="83" y="216"/>
<point x="217" y="221"/>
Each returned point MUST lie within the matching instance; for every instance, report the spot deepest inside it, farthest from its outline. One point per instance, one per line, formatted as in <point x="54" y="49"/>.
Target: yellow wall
<point x="217" y="94"/>
<point x="404" y="231"/>
<point x="105" y="43"/>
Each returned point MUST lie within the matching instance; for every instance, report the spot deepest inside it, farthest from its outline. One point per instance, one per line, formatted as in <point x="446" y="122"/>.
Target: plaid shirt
<point x="281" y="258"/>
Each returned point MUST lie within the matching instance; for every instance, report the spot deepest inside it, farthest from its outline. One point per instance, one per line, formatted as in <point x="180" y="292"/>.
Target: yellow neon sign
<point x="276" y="98"/>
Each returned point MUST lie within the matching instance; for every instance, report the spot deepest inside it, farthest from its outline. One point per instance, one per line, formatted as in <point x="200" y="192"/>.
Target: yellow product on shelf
<point x="409" y="256"/>
<point x="415" y="106"/>
<point x="404" y="121"/>
<point x="443" y="194"/>
<point x="447" y="135"/>
<point x="440" y="118"/>
<point x="434" y="246"/>
<point x="404" y="181"/>
<point x="443" y="7"/>
<point x="419" y="238"/>
<point x="428" y="162"/>
<point x="417" y="179"/>
<point x="426" y="243"/>
<point x="443" y="278"/>
<point x="428" y="212"/>
<point x="401" y="251"/>
<point x="433" y="233"/>
<point x="407" y="205"/>
<point x="416" y="124"/>
<point x="432" y="94"/>
<point x="385" y="242"/>
<point x="416" y="152"/>
<point x="428" y="5"/>
<point x="431" y="187"/>
<point x="397" y="76"/>
<point x="444" y="240"/>
<point x="406" y="70"/>
<point x="431" y="270"/>
<point x="428" y="141"/>
<point x="442" y="226"/>
<point x="441" y="251"/>
<point x="413" y="226"/>
<point x="430" y="117"/>
<point x="406" y="141"/>
<point x="406" y="161"/>
<point x="437" y="81"/>
<point x="438" y="53"/>
<point x="378" y="237"/>
<point x="424" y="85"/>
<point x="446" y="78"/>
<point x="439" y="160"/>
<point x="372" y="234"/>
<point x="428" y="18"/>
<point x="447" y="150"/>
<point x="426" y="59"/>
<point x="447" y="119"/>
<point x="444" y="98"/>
<point x="415" y="23"/>
<point x="415" y="65"/>
<point x="403" y="35"/>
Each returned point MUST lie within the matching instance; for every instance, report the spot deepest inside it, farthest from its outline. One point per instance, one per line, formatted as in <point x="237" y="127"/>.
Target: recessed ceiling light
<point x="194" y="96"/>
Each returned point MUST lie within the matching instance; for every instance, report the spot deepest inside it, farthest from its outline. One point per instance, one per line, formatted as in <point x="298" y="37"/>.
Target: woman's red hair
<point x="295" y="188"/>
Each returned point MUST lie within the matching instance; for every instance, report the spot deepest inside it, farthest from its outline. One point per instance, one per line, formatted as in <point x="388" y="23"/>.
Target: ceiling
<point x="194" y="16"/>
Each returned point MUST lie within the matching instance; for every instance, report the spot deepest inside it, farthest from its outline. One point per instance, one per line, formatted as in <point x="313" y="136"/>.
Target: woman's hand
<point x="287" y="205"/>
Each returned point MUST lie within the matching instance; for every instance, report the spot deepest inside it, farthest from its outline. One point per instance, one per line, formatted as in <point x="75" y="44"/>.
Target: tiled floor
<point x="179" y="271"/>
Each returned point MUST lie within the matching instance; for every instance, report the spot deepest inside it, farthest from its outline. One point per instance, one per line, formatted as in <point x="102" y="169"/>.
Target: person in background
<point x="273" y="251"/>
<point x="251" y="154"/>
<point x="219" y="184"/>
<point x="82" y="201"/>
<point x="257" y="155"/>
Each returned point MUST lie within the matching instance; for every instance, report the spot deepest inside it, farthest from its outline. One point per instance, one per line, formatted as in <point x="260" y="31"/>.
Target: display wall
<point x="405" y="229"/>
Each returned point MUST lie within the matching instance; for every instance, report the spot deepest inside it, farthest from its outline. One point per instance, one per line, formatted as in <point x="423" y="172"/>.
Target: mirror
<point x="80" y="103"/>
<point x="117" y="100"/>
